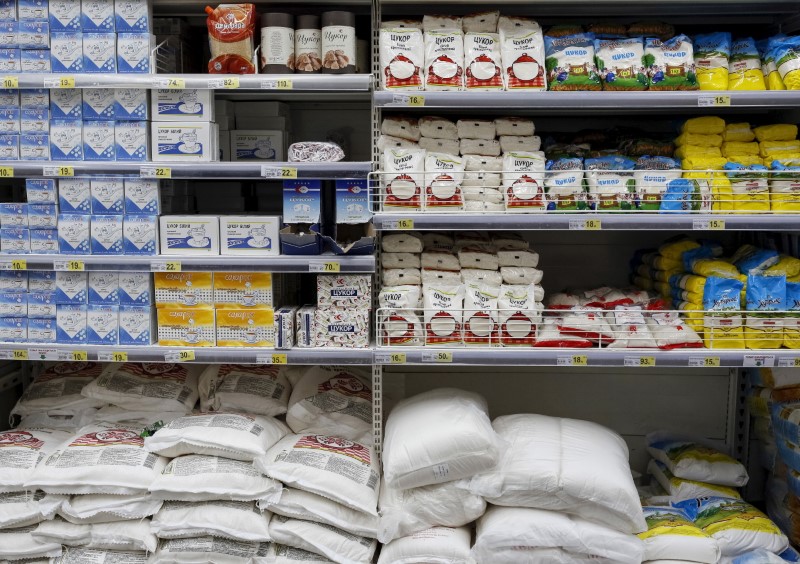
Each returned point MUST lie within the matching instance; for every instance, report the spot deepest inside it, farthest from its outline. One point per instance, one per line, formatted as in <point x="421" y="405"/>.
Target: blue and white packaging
<point x="35" y="60"/>
<point x="10" y="60"/>
<point x="106" y="233"/>
<point x="44" y="241"/>
<point x="34" y="147"/>
<point x="141" y="196"/>
<point x="133" y="52"/>
<point x="42" y="330"/>
<point x="9" y="34"/>
<point x="102" y="324"/>
<point x="66" y="103"/>
<point x="9" y="120"/>
<point x="175" y="140"/>
<point x="74" y="234"/>
<point x="43" y="215"/>
<point x="136" y="325"/>
<point x="9" y="147"/>
<point x="34" y="98"/>
<point x="13" y="280"/>
<point x="70" y="287"/>
<point x="140" y="235"/>
<point x="8" y="10"/>
<point x="352" y="202"/>
<point x="13" y="304"/>
<point x="66" y="52"/>
<point x="66" y="140"/>
<point x="131" y="141"/>
<point x="9" y="98"/>
<point x="189" y="234"/>
<point x="41" y="281"/>
<point x="135" y="288"/>
<point x="71" y="324"/>
<point x="98" y="141"/>
<point x="41" y="304"/>
<point x="108" y="195"/>
<point x="75" y="195"/>
<point x="13" y="215"/>
<point x="13" y="329"/>
<point x="32" y="9"/>
<point x="99" y="53"/>
<point x="34" y="121"/>
<point x="255" y="235"/>
<point x="189" y="104"/>
<point x="41" y="190"/>
<point x="104" y="288"/>
<point x="34" y="34"/>
<point x="97" y="15"/>
<point x="131" y="15"/>
<point x="98" y="104"/>
<point x="15" y="240"/>
<point x="302" y="200"/>
<point x="65" y="15"/>
<point x="130" y="104"/>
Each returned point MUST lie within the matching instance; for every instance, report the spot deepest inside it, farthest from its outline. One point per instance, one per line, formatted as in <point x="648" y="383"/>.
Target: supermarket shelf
<point x="175" y="263"/>
<point x="189" y="170"/>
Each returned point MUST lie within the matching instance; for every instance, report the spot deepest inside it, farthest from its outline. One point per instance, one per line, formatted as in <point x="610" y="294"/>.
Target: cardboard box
<point x="74" y="234"/>
<point x="13" y="329"/>
<point x="65" y="15"/>
<point x="102" y="324"/>
<point x="135" y="289"/>
<point x="182" y="106"/>
<point x="42" y="216"/>
<point x="71" y="324"/>
<point x="99" y="53"/>
<point x="141" y="196"/>
<point x="13" y="215"/>
<point x="34" y="147"/>
<point x="131" y="142"/>
<point x="9" y="147"/>
<point x="34" y="34"/>
<point x="131" y="16"/>
<point x="41" y="191"/>
<point x="32" y="9"/>
<point x="9" y="120"/>
<point x="234" y="290"/>
<point x="13" y="280"/>
<point x="9" y="98"/>
<point x="186" y="327"/>
<point x="305" y="327"/>
<point x="97" y="15"/>
<point x="245" y="327"/>
<point x="257" y="145"/>
<point x="42" y="305"/>
<point x="98" y="141"/>
<point x="15" y="240"/>
<point x="108" y="196"/>
<point x="66" y="52"/>
<point x="70" y="287"/>
<point x="13" y="304"/>
<point x="249" y="235"/>
<point x="34" y="120"/>
<point x="131" y="104"/>
<point x="137" y="325"/>
<point x="103" y="288"/>
<point x="284" y="327"/>
<point x="106" y="234"/>
<point x="74" y="195"/>
<point x="66" y="103"/>
<point x="34" y="98"/>
<point x="183" y="141"/>
<point x="184" y="289"/>
<point x="44" y="241"/>
<point x="42" y="330"/>
<point x="189" y="234"/>
<point x="140" y="235"/>
<point x="9" y="34"/>
<point x="41" y="281"/>
<point x="8" y="10"/>
<point x="35" y="60"/>
<point x="133" y="52"/>
<point x="302" y="201"/>
<point x="10" y="60"/>
<point x="98" y="104"/>
<point x="66" y="140"/>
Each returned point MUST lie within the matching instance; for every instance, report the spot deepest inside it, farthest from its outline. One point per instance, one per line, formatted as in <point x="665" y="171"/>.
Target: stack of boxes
<point x="341" y="316"/>
<point x="183" y="127"/>
<point x="24" y="36"/>
<point x="255" y="235"/>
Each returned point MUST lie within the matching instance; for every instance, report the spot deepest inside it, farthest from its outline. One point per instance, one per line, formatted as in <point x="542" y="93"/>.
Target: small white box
<point x="257" y="145"/>
<point x="71" y="324"/>
<point x="73" y="234"/>
<point x="34" y="147"/>
<point x="44" y="241"/>
<point x="140" y="235"/>
<point x="184" y="105"/>
<point x="284" y="327"/>
<point x="9" y="146"/>
<point x="42" y="216"/>
<point x="97" y="15"/>
<point x="141" y="196"/>
<point x="34" y="98"/>
<point x="108" y="196"/>
<point x="13" y="215"/>
<point x="106" y="235"/>
<point x="66" y="140"/>
<point x="66" y="52"/>
<point x="32" y="9"/>
<point x="189" y="234"/>
<point x="133" y="52"/>
<point x="135" y="288"/>
<point x="9" y="120"/>
<point x="42" y="330"/>
<point x="255" y="235"/>
<point x="9" y="34"/>
<point x="137" y="325"/>
<point x="130" y="104"/>
<point x="75" y="195"/>
<point x="70" y="287"/>
<point x="34" y="120"/>
<point x="98" y="141"/>
<point x="8" y="10"/>
<point x="41" y="191"/>
<point x="305" y="326"/>
<point x="35" y="60"/>
<point x="104" y="288"/>
<point x="179" y="141"/>
<point x="9" y="98"/>
<point x="98" y="103"/>
<point x="131" y="15"/>
<point x="34" y="34"/>
<point x="42" y="281"/>
<point x="102" y="324"/>
<point x="66" y="103"/>
<point x="65" y="15"/>
<point x="13" y="329"/>
<point x="99" y="52"/>
<point x="10" y="60"/>
<point x="15" y="240"/>
<point x="42" y="305"/>
<point x="14" y="280"/>
<point x="13" y="304"/>
<point x="131" y="143"/>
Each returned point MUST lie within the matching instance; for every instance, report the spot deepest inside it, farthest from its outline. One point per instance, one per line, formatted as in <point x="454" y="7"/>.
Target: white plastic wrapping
<point x="486" y="147"/>
<point x="681" y="490"/>
<point x="21" y="509"/>
<point x="523" y="181"/>
<point x="438" y="128"/>
<point x="510" y="143"/>
<point x="402" y="127"/>
<point x="400" y="260"/>
<point x="440" y="260"/>
<point x="18" y="544"/>
<point x="103" y="508"/>
<point x="480" y="314"/>
<point x="444" y="58"/>
<point x="402" y="57"/>
<point x="514" y="126"/>
<point x="481" y="22"/>
<point x="21" y="450"/>
<point x="519" y="314"/>
<point x="691" y="460"/>
<point x="388" y="142"/>
<point x="401" y="276"/>
<point x="237" y="520"/>
<point x="336" y="544"/>
<point x="59" y="387"/>
<point x="438" y="545"/>
<point x="209" y="550"/>
<point x="403" y="179"/>
<point x="409" y="242"/>
<point x="474" y="275"/>
<point x="83" y="555"/>
<point x="672" y="535"/>
<point x="485" y="163"/>
<point x="260" y="390"/>
<point x="435" y="241"/>
<point x="440" y="277"/>
<point x="475" y="129"/>
<point x="519" y="258"/>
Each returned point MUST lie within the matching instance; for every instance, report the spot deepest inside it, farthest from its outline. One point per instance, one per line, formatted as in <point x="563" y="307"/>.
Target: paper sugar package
<point x="481" y="314"/>
<point x="523" y="181"/>
<point x="443" y="177"/>
<point x="522" y="49"/>
<point x="404" y="178"/>
<point x="443" y="313"/>
<point x="764" y="294"/>
<point x="444" y="59"/>
<point x="344" y="291"/>
<point x="341" y="327"/>
<point x="402" y="58"/>
<point x="399" y="319"/>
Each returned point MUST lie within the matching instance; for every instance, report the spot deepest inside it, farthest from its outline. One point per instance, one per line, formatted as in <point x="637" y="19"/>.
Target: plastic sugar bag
<point x="611" y="182"/>
<point x="564" y="184"/>
<point x="671" y="333"/>
<point x="409" y="242"/>
<point x="405" y="512"/>
<point x="236" y="520"/>
<point x="480" y="314"/>
<point x="59" y="387"/>
<point x="402" y="127"/>
<point x="758" y="557"/>
<point x="523" y="181"/>
<point x="477" y="257"/>
<point x="22" y="450"/>
<point x="336" y="544"/>
<point x="723" y="329"/>
<point x="711" y="58"/>
<point x="481" y="22"/>
<point x="342" y="470"/>
<point x="147" y="386"/>
<point x="550" y="336"/>
<point x="672" y="535"/>
<point x="443" y="176"/>
<point x="400" y="327"/>
<point x="437" y="545"/>
<point x="403" y="180"/>
<point x="653" y="176"/>
<point x="208" y="550"/>
<point x="519" y="314"/>
<point x="400" y="260"/>
<point x="587" y="323"/>
<point x="679" y="489"/>
<point x="620" y="63"/>
<point x="260" y="390"/>
<point x="402" y="58"/>
<point x="680" y="196"/>
<point x="434" y="22"/>
<point x="630" y="328"/>
<point x="482" y="57"/>
<point x="443" y="313"/>
<point x="514" y="535"/>
<point x="570" y="62"/>
<point x="744" y="67"/>
<point x="121" y="535"/>
<point x="529" y="259"/>
<point x="21" y="509"/>
<point x="196" y="477"/>
<point x="61" y="419"/>
<point x="784" y="187"/>
<point x="435" y="241"/>
<point x="670" y="63"/>
<point x="522" y="48"/>
<point x="776" y="378"/>
<point x="765" y="299"/>
<point x="691" y="460"/>
<point x="114" y="414"/>
<point x="332" y="399"/>
<point x="791" y="322"/>
<point x="776" y="132"/>
<point x="19" y="544"/>
<point x="458" y="440"/>
<point x="440" y="260"/>
<point x="769" y="67"/>
<point x="440" y="277"/>
<point x="544" y="468"/>
<point x="750" y="185"/>
<point x="82" y="555"/>
<point x="104" y="508"/>
<point x="444" y="59"/>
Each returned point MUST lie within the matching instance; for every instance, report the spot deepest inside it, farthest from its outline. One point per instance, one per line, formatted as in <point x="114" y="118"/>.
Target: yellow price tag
<point x="75" y="265"/>
<point x="185" y="356"/>
<point x="232" y="82"/>
<point x="647" y="361"/>
<point x="711" y="361"/>
<point x="65" y="171"/>
<point x="278" y="359"/>
<point x="722" y="100"/>
<point x="797" y="362"/>
<point x="716" y="224"/>
<point x="163" y="172"/>
<point x="284" y="84"/>
<point x="593" y="225"/>
<point x="288" y="172"/>
<point x="331" y="267"/>
<point x="176" y="83"/>
<point x="20" y="355"/>
<point x="398" y="358"/>
<point x="19" y="264"/>
<point x="580" y="360"/>
<point x="66" y="82"/>
<point x="119" y="356"/>
<point x="174" y="266"/>
<point x="405" y="224"/>
<point x="442" y="356"/>
<point x="10" y="82"/>
<point x="6" y="172"/>
<point x="79" y="356"/>
<point x="416" y="100"/>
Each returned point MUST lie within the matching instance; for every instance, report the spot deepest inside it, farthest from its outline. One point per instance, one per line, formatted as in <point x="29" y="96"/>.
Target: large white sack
<point x="230" y="435"/>
<point x="62" y="532"/>
<point x="671" y="535"/>
<point x="282" y="554"/>
<point x="261" y="390"/>
<point x="237" y="520"/>
<point x="507" y="534"/>
<point x="335" y="544"/>
<point x="439" y="545"/>
<point x="100" y="556"/>
<point x="208" y="550"/>
<point x="21" y="450"/>
<point x="61" y="419"/>
<point x="59" y="386"/>
<point x="120" y="535"/>
<point x="116" y="414"/>
<point x="405" y="512"/>
<point x="691" y="460"/>
<point x="104" y="508"/>
<point x="438" y="436"/>
<point x="679" y="489"/>
<point x="566" y="465"/>
<point x="332" y="400"/>
<point x="18" y="544"/>
<point x="21" y="509"/>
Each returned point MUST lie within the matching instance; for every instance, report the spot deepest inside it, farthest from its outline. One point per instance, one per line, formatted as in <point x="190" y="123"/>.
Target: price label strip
<point x="155" y="172"/>
<point x="329" y="267"/>
<point x="399" y="225"/>
<point x="165" y="266"/>
<point x="277" y="84"/>
<point x="170" y="83"/>
<point x="713" y="101"/>
<point x="14" y="264"/>
<point x="277" y="358"/>
<point x="179" y="356"/>
<point x="58" y="171"/>
<point x="704" y="362"/>
<point x="708" y="224"/>
<point x="414" y="100"/>
<point x="643" y="361"/>
<point x="574" y="360"/>
<point x="71" y="265"/>
<point x="112" y="357"/>
<point x="390" y="358"/>
<point x="437" y="356"/>
<point x="75" y="356"/>
<point x="10" y="82"/>
<point x="789" y="362"/>
<point x="585" y="225"/>
<point x="759" y="361"/>
<point x="43" y="354"/>
<point x="60" y="82"/>
<point x="20" y="354"/>
<point x="6" y="172"/>
<point x="279" y="173"/>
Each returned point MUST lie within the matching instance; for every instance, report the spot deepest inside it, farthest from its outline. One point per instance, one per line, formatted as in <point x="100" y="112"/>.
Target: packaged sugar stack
<point x="260" y="390"/>
<point x="522" y="49"/>
<point x="327" y="541"/>
<point x="435" y="544"/>
<point x="236" y="520"/>
<point x="58" y="388"/>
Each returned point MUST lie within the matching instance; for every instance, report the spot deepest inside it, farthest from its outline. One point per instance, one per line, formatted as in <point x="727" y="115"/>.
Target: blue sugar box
<point x="130" y="104"/>
<point x="43" y="215"/>
<point x="131" y="141"/>
<point x="44" y="241"/>
<point x="9" y="34"/>
<point x="140" y="235"/>
<point x="13" y="304"/>
<point x="34" y="34"/>
<point x="10" y="60"/>
<point x="75" y="195"/>
<point x="13" y="215"/>
<point x="15" y="240"/>
<point x="131" y="15"/>
<point x="71" y="324"/>
<point x="352" y="202"/>
<point x="42" y="330"/>
<point x="65" y="15"/>
<point x="9" y="98"/>
<point x="104" y="288"/>
<point x="73" y="234"/>
<point x="141" y="196"/>
<point x="9" y="119"/>
<point x="102" y="324"/>
<point x="34" y="121"/>
<point x="35" y="98"/>
<point x="32" y="9"/>
<point x="66" y="103"/>
<point x="302" y="200"/>
<point x="66" y="140"/>
<point x="35" y="60"/>
<point x="41" y="304"/>
<point x="34" y="147"/>
<point x="99" y="53"/>
<point x="14" y="280"/>
<point x="8" y="10"/>
<point x="9" y="146"/>
<point x="41" y="281"/>
<point x="97" y="15"/>
<point x="136" y="325"/>
<point x="98" y="141"/>
<point x="13" y="329"/>
<point x="98" y="104"/>
<point x="71" y="287"/>
<point x="106" y="235"/>
<point x="133" y="52"/>
<point x="66" y="52"/>
<point x="135" y="288"/>
<point x="108" y="196"/>
<point x="41" y="190"/>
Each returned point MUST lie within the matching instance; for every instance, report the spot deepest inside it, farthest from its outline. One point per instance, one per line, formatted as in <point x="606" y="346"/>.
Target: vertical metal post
<point x="377" y="407"/>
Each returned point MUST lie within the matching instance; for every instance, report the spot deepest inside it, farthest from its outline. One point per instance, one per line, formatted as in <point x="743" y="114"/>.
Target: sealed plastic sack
<point x="443" y="313"/>
<point x="620" y="63"/>
<point x="679" y="196"/>
<point x="611" y="182"/>
<point x="744" y="66"/>
<point x="21" y="450"/>
<point x="519" y="314"/>
<point x="410" y="242"/>
<point x="402" y="58"/>
<point x="236" y="520"/>
<point x="776" y="132"/>
<point x="712" y="52"/>
<point x="564" y="184"/>
<point x="669" y="64"/>
<point x="698" y="140"/>
<point x="738" y="133"/>
<point x="260" y="390"/>
<point x="335" y="400"/>
<point x="544" y="468"/>
<point x="482" y="58"/>
<point x="765" y="299"/>
<point x="104" y="508"/>
<point x="752" y="260"/>
<point x="230" y="34"/>
<point x="330" y="542"/>
<point x="437" y="545"/>
<point x="402" y="127"/>
<point x="444" y="59"/>
<point x="750" y="185"/>
<point x="523" y="181"/>
<point x="670" y="332"/>
<point x="59" y="386"/>
<point x="443" y="177"/>
<point x="705" y="125"/>
<point x="21" y="509"/>
<point x="18" y="544"/>
<point x="403" y="178"/>
<point x="84" y="555"/>
<point x="737" y="148"/>
<point x="401" y="276"/>
<point x="477" y="257"/>
<point x="438" y="436"/>
<point x="570" y="62"/>
<point x="212" y="549"/>
<point x="440" y="277"/>
<point x="587" y="323"/>
<point x="679" y="489"/>
<point x="672" y="535"/>
<point x="549" y="336"/>
<point x="766" y="49"/>
<point x="653" y="175"/>
<point x="791" y="322"/>
<point x="786" y="53"/>
<point x="690" y="460"/>
<point x="480" y="314"/>
<point x="784" y="187"/>
<point x="523" y="54"/>
<point x="630" y="328"/>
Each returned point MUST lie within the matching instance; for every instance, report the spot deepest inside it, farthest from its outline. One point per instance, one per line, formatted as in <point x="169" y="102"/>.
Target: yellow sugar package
<point x="703" y="162"/>
<point x="779" y="149"/>
<point x="776" y="132"/>
<point x="705" y="125"/>
<point x="714" y="267"/>
<point x="768" y="65"/>
<point x="730" y="148"/>
<point x="661" y="262"/>
<point x="744" y="66"/>
<point x="786" y="266"/>
<point x="738" y="132"/>
<point x="699" y="140"/>
<point x="712" y="53"/>
<point x="784" y="190"/>
<point x="787" y="58"/>
<point x="690" y="283"/>
<point x="746" y="160"/>
<point x="643" y="283"/>
<point x="694" y="151"/>
<point x="750" y="187"/>
<point x="675" y="249"/>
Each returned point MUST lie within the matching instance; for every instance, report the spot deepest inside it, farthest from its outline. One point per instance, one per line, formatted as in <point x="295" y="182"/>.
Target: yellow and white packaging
<point x="236" y="290"/>
<point x="184" y="289"/>
<point x="245" y="327"/>
<point x="182" y="327"/>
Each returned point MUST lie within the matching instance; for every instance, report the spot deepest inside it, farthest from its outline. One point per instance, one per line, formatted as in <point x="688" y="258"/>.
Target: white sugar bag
<point x="443" y="310"/>
<point x="443" y="176"/>
<point x="334" y="400"/>
<point x="478" y="179"/>
<point x="402" y="58"/>
<point x="438" y="128"/>
<point x="18" y="544"/>
<point x="123" y="535"/>
<point x="401" y="327"/>
<point x="527" y="259"/>
<point x="63" y="532"/>
<point x="59" y="387"/>
<point x="299" y="504"/>
<point x="61" y="419"/>
<point x="508" y="534"/>
<point x="237" y="520"/>
<point x="546" y="468"/>
<point x="437" y="545"/>
<point x="672" y="535"/>
<point x="481" y="22"/>
<point x="103" y="458"/>
<point x="510" y="143"/>
<point x="688" y="459"/>
<point x="445" y="277"/>
<point x="208" y="550"/>
<point x="444" y="59"/>
<point x="197" y="477"/>
<point x="470" y="257"/>
<point x="147" y="386"/>
<point x="388" y="142"/>
<point x="344" y="471"/>
<point x="630" y="328"/>
<point x="487" y="147"/>
<point x="682" y="490"/>
<point x="403" y="178"/>
<point x="401" y="297"/>
<point x="21" y="450"/>
<point x="670" y="332"/>
<point x="506" y="241"/>
<point x="438" y="436"/>
<point x="437" y="242"/>
<point x="494" y="207"/>
<point x="400" y="260"/>
<point x="483" y="195"/>
<point x="475" y="129"/>
<point x="521" y="275"/>
<point x="405" y="512"/>
<point x="433" y="22"/>
<point x="83" y="555"/>
<point x="474" y="206"/>
<point x="336" y="544"/>
<point x="485" y="163"/>
<point x="514" y="126"/>
<point x="432" y="144"/>
<point x="409" y="242"/>
<point x="480" y="314"/>
<point x="401" y="276"/>
<point x="519" y="314"/>
<point x="401" y="127"/>
<point x="474" y="275"/>
<point x="440" y="260"/>
<point x="103" y="508"/>
<point x="114" y="414"/>
<point x="282" y="554"/>
<point x="260" y="390"/>
<point x="20" y="509"/>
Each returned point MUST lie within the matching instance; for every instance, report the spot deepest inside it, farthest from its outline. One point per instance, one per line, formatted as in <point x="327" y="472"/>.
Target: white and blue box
<point x="8" y="10"/>
<point x="15" y="240"/>
<point x="99" y="53"/>
<point x="71" y="324"/>
<point x="41" y="304"/>
<point x="302" y="201"/>
<point x="97" y="15"/>
<point x="133" y="52"/>
<point x="42" y="330"/>
<point x="44" y="241"/>
<point x="131" y="104"/>
<point x="34" y="121"/>
<point x="136" y="325"/>
<point x="14" y="280"/>
<point x="41" y="191"/>
<point x="102" y="324"/>
<point x="131" y="141"/>
<point x="66" y="52"/>
<point x="42" y="281"/>
<point x="10" y="60"/>
<point x="35" y="60"/>
<point x="106" y="235"/>
<point x="32" y="10"/>
<point x="34" y="34"/>
<point x="43" y="216"/>
<point x="13" y="329"/>
<point x="9" y="146"/>
<point x="141" y="196"/>
<point x="9" y="119"/>
<point x="34" y="147"/>
<point x="135" y="289"/>
<point x="13" y="215"/>
<point x="9" y="34"/>
<point x="190" y="104"/>
<point x="9" y="98"/>
<point x="352" y="202"/>
<point x="131" y="16"/>
<point x="98" y="103"/>
<point x="98" y="141"/>
<point x="175" y="140"/>
<point x="70" y="287"/>
<point x="65" y="15"/>
<point x="34" y="98"/>
<point x="13" y="304"/>
<point x="66" y="103"/>
<point x="108" y="196"/>
<point x="104" y="288"/>
<point x="74" y="234"/>
<point x="66" y="140"/>
<point x="189" y="234"/>
<point x="140" y="235"/>
<point x="75" y="195"/>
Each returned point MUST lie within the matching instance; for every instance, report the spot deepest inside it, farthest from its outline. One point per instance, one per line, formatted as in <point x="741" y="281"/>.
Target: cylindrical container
<point x="277" y="43"/>
<point x="307" y="45"/>
<point x="338" y="42"/>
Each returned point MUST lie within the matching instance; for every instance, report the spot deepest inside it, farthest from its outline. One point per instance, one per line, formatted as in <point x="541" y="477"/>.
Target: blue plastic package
<point x="722" y="294"/>
<point x="679" y="196"/>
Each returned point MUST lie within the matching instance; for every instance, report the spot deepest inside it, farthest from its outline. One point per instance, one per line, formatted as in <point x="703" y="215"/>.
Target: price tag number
<point x="284" y="173"/>
<point x="586" y="224"/>
<point x="119" y="356"/>
<point x="10" y="82"/>
<point x="405" y="224"/>
<point x="437" y="356"/>
<point x="179" y="356"/>
<point x="176" y="83"/>
<point x="278" y="359"/>
<point x="79" y="356"/>
<point x="643" y="361"/>
<point x="19" y="355"/>
<point x="14" y="264"/>
<point x="6" y="172"/>
<point x="66" y="82"/>
<point x="163" y="172"/>
<point x="232" y="82"/>
<point x="706" y="101"/>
